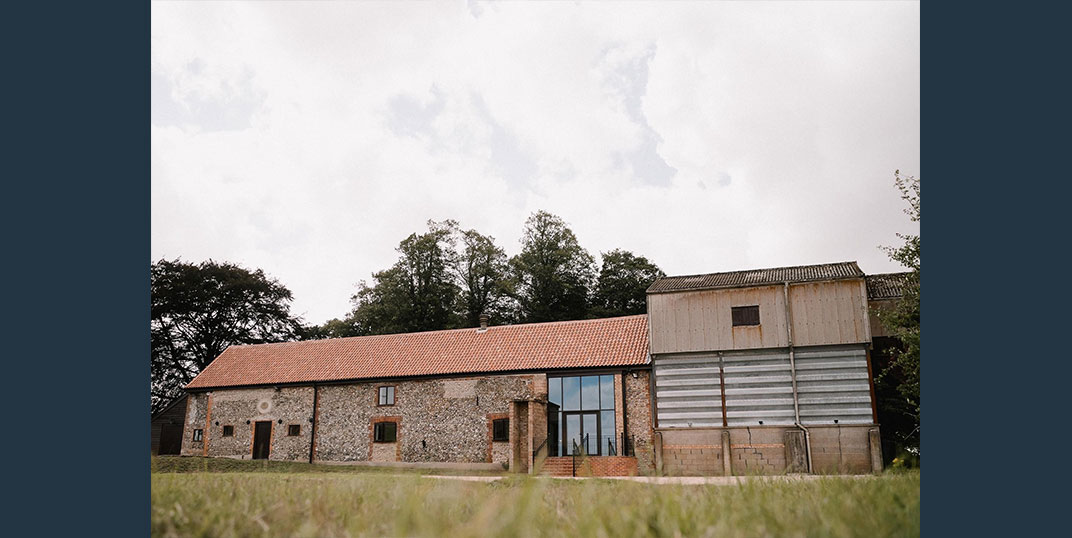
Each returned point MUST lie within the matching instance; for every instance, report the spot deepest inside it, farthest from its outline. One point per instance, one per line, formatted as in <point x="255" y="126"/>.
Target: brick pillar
<point x="727" y="454"/>
<point x="875" y="440"/>
<point x="658" y="445"/>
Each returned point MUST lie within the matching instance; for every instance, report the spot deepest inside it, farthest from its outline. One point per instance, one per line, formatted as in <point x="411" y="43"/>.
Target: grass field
<point x="346" y="501"/>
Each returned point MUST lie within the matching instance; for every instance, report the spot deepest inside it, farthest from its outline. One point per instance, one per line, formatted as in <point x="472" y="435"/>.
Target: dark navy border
<point x="76" y="215"/>
<point x="994" y="133"/>
<point x="994" y="145"/>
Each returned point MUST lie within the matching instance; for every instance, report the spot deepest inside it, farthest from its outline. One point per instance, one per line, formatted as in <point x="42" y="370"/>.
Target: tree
<point x="482" y="270"/>
<point x="418" y="292"/>
<point x="554" y="274"/>
<point x="623" y="283"/>
<point x="903" y="320"/>
<point x="333" y="328"/>
<point x="198" y="310"/>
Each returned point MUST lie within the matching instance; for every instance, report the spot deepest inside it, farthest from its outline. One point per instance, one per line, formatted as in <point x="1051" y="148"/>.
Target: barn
<point x="745" y="372"/>
<point x="165" y="428"/>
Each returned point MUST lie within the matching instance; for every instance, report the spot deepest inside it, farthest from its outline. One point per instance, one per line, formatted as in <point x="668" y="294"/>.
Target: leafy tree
<point x="482" y="270"/>
<point x="623" y="282"/>
<point x="903" y="321"/>
<point x="333" y="328"/>
<point x="554" y="274"/>
<point x="418" y="292"/>
<point x="197" y="310"/>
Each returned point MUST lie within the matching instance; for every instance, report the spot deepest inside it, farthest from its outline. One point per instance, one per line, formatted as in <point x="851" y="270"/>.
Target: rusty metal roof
<point x="590" y="343"/>
<point x="886" y="285"/>
<point x="757" y="277"/>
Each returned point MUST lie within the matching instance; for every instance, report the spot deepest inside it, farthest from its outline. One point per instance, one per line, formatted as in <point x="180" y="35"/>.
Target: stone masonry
<point x="638" y="414"/>
<point x="439" y="420"/>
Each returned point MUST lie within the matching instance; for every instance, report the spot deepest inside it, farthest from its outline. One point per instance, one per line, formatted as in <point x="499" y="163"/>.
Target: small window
<point x="294" y="430"/>
<point x="387" y="396"/>
<point x="500" y="429"/>
<point x="745" y="315"/>
<point x="385" y="432"/>
<point x="198" y="435"/>
<point x="228" y="431"/>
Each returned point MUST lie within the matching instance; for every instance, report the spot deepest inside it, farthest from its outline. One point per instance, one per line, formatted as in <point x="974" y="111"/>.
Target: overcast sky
<point x="308" y="139"/>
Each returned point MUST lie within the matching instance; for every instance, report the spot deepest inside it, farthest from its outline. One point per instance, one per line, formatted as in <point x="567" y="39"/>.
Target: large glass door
<point x="579" y="406"/>
<point x="579" y="424"/>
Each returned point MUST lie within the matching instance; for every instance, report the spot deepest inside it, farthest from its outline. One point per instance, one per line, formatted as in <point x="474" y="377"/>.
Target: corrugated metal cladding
<point x="758" y="277"/>
<point x="688" y="391"/>
<point x="832" y="384"/>
<point x="759" y="388"/>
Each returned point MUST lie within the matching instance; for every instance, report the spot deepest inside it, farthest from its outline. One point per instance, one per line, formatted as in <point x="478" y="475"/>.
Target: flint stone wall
<point x="638" y="415"/>
<point x="291" y="405"/>
<point x="443" y="420"/>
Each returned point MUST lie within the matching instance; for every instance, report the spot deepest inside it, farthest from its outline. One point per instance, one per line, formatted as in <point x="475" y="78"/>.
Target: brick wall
<point x="609" y="466"/>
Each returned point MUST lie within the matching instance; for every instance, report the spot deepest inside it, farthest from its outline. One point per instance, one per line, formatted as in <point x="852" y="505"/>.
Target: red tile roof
<point x="537" y="346"/>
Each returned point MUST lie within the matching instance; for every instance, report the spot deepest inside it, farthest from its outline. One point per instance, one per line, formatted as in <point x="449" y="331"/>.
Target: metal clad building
<point x="764" y="356"/>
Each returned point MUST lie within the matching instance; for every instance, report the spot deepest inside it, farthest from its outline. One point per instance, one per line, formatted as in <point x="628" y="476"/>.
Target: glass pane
<point x="608" y="441"/>
<point x="592" y="432"/>
<point x="554" y="390"/>
<point x="390" y="395"/>
<point x="573" y="432"/>
<point x="590" y="392"/>
<point x="571" y="393"/>
<point x="606" y="392"/>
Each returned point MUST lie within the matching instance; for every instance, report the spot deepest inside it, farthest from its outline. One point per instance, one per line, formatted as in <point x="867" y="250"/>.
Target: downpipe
<point x="793" y="374"/>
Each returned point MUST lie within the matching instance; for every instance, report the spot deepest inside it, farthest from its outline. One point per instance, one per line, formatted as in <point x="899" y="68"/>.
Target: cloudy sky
<point x="307" y="139"/>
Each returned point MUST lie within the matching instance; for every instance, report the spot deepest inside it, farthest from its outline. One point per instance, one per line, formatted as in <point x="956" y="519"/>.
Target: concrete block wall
<point x="761" y="450"/>
<point x="692" y="452"/>
<point x="757" y="450"/>
<point x="840" y="449"/>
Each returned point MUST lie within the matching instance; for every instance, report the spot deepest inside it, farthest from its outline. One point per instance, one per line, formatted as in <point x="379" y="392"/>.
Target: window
<point x="228" y="431"/>
<point x="581" y="407"/>
<point x="198" y="435"/>
<point x="745" y="315"/>
<point x="500" y="429"/>
<point x="387" y="396"/>
<point x="294" y="429"/>
<point x="385" y="432"/>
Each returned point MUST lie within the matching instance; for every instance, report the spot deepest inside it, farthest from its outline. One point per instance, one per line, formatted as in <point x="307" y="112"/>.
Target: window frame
<point x="199" y="435"/>
<point x="495" y="425"/>
<point x="391" y="391"/>
<point x="740" y="316"/>
<point x="293" y="430"/>
<point x="379" y="432"/>
<point x="225" y="432"/>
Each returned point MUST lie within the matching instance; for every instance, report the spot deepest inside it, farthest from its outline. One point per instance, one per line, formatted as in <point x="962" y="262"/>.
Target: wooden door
<point x="170" y="439"/>
<point x="262" y="440"/>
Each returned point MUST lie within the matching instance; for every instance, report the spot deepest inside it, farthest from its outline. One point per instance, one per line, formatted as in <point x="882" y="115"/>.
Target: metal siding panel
<point x="759" y="387"/>
<point x="833" y="384"/>
<point x="688" y="391"/>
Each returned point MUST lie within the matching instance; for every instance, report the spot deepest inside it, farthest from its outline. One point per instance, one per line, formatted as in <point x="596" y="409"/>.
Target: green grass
<point x="177" y="464"/>
<point x="282" y="503"/>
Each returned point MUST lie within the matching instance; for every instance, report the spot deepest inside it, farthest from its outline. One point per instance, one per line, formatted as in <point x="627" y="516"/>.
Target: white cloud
<point x="308" y="139"/>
